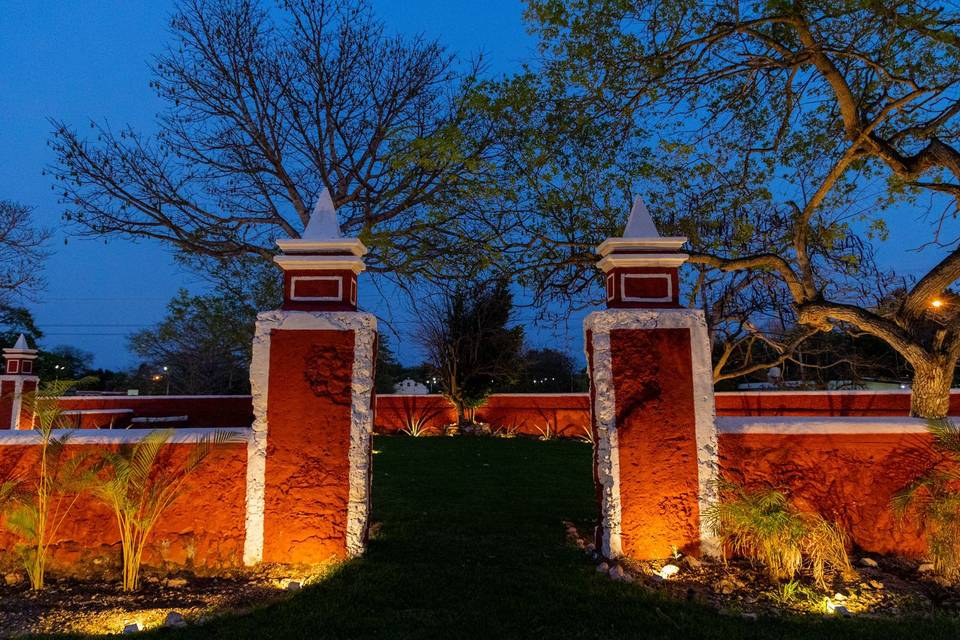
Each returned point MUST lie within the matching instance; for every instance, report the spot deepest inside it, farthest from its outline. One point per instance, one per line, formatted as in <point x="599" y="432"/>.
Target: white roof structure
<point x="323" y="223"/>
<point x="321" y="245"/>
<point x="641" y="236"/>
<point x="640" y="224"/>
<point x="20" y="349"/>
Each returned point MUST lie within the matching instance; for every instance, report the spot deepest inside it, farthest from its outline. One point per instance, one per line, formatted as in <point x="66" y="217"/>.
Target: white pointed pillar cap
<point x="18" y="357"/>
<point x="20" y="349"/>
<point x="321" y="246"/>
<point x="641" y="244"/>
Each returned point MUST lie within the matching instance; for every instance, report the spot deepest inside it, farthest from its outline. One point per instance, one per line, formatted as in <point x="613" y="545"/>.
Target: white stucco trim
<point x="820" y="425"/>
<point x="607" y="451"/>
<point x="94" y="412"/>
<point x="365" y="326"/>
<point x="17" y="404"/>
<point x="115" y="436"/>
<point x="293" y="288"/>
<point x="361" y="429"/>
<point x="625" y="260"/>
<point x="602" y="322"/>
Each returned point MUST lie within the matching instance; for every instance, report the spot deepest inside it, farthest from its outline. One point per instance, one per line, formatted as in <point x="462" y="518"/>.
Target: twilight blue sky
<point x="81" y="59"/>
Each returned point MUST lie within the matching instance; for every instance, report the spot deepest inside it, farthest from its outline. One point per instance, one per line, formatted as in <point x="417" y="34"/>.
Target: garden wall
<point x="567" y="414"/>
<point x="847" y="469"/>
<point x="203" y="529"/>
<point x="103" y="412"/>
<point x="820" y="403"/>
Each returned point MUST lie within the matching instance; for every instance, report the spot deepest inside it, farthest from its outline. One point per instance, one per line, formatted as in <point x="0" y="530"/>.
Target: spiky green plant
<point x="138" y="484"/>
<point x="934" y="498"/>
<point x="42" y="504"/>
<point x="764" y="526"/>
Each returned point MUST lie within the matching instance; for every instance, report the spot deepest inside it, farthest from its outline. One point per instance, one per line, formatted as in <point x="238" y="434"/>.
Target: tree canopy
<point x="264" y="108"/>
<point x="781" y="137"/>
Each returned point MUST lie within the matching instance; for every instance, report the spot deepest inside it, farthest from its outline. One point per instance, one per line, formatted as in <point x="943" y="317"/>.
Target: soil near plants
<point x="70" y="605"/>
<point x="893" y="588"/>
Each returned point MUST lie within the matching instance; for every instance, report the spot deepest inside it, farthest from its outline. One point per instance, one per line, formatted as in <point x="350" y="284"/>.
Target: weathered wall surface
<point x="656" y="432"/>
<point x="847" y="469"/>
<point x="202" y="530"/>
<point x="307" y="466"/>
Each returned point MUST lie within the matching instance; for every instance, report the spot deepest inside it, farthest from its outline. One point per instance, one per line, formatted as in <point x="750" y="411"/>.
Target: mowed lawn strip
<point x="472" y="546"/>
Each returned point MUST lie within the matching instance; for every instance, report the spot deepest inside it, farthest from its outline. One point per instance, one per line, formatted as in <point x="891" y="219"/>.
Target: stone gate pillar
<point x="311" y="377"/>
<point x="651" y="398"/>
<point x="17" y="381"/>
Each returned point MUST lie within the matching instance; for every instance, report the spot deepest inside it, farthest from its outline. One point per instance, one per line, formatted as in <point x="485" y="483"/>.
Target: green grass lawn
<point x="472" y="546"/>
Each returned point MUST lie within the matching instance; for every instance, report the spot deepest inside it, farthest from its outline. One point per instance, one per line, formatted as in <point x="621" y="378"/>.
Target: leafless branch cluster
<point x="21" y="251"/>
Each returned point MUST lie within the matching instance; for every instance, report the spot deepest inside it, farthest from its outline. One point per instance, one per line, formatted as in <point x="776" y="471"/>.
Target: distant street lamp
<point x="57" y="368"/>
<point x="166" y="374"/>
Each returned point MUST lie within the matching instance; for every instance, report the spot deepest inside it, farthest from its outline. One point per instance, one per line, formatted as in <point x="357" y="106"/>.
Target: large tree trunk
<point x="930" y="397"/>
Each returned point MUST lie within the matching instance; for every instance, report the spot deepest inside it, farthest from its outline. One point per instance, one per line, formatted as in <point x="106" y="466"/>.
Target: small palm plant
<point x="40" y="506"/>
<point x="763" y="526"/>
<point x="139" y="484"/>
<point x="935" y="499"/>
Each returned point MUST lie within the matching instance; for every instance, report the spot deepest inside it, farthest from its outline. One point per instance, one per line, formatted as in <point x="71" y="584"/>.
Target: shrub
<point x="763" y="526"/>
<point x="139" y="485"/>
<point x="934" y="499"/>
<point x="39" y="507"/>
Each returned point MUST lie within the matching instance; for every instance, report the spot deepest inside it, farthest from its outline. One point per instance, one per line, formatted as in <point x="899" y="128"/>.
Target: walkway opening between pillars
<point x="651" y="394"/>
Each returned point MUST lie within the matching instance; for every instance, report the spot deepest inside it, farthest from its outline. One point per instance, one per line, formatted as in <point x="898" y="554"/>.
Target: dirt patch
<point x="68" y="605"/>
<point x="883" y="586"/>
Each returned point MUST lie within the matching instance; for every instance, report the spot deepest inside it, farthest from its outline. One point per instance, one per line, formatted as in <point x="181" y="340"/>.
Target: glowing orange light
<point x="936" y="303"/>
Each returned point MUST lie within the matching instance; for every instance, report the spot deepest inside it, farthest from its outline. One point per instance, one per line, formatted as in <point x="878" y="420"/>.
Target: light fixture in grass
<point x="39" y="505"/>
<point x="139" y="484"/>
<point x="763" y="526"/>
<point x="934" y="498"/>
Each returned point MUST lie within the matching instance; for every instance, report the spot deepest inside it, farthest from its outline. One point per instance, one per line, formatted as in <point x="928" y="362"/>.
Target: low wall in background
<point x="847" y="469"/>
<point x="820" y="403"/>
<point x="120" y="412"/>
<point x="567" y="414"/>
<point x="203" y="530"/>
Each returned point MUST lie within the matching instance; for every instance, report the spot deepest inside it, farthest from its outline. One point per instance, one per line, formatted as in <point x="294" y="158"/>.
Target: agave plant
<point x="934" y="499"/>
<point x="42" y="504"/>
<point x="138" y="484"/>
<point x="763" y="526"/>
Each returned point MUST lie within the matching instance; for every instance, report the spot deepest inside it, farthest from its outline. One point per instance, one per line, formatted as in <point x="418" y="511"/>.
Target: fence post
<point x="651" y="397"/>
<point x="16" y="382"/>
<point x="308" y="469"/>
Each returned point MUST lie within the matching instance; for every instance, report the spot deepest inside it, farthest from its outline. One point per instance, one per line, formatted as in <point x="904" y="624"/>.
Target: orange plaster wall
<point x="396" y="412"/>
<point x="848" y="479"/>
<point x="653" y="387"/>
<point x="202" y="530"/>
<point x="820" y="403"/>
<point x="201" y="411"/>
<point x="568" y="415"/>
<point x="307" y="467"/>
